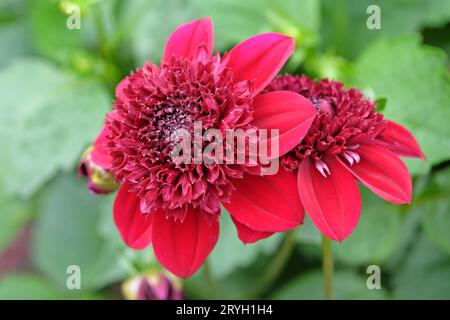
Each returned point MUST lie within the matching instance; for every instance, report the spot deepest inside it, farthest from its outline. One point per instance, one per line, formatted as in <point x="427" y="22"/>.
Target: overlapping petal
<point x="182" y="246"/>
<point x="260" y="58"/>
<point x="266" y="203"/>
<point x="247" y="235"/>
<point x="187" y="38"/>
<point x="333" y="203"/>
<point x="134" y="227"/>
<point x="289" y="112"/>
<point x="383" y="172"/>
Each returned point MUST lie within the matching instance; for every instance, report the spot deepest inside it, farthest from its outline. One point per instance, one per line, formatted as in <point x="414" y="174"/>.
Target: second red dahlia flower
<point x="348" y="141"/>
<point x="176" y="207"/>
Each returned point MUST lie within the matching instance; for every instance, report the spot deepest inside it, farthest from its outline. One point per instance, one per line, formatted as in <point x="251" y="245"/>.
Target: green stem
<point x="207" y="275"/>
<point x="327" y="268"/>
<point x="278" y="263"/>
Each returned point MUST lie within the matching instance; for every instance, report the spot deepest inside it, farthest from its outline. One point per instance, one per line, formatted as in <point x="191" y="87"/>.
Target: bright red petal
<point x="100" y="155"/>
<point x="182" y="247"/>
<point x="399" y="140"/>
<point x="247" y="235"/>
<point x="260" y="58"/>
<point x="269" y="203"/>
<point x="187" y="38"/>
<point x="383" y="172"/>
<point x="333" y="203"/>
<point x="289" y="112"/>
<point x="134" y="227"/>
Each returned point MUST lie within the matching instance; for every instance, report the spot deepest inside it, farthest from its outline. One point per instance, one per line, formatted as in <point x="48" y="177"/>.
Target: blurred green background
<point x="56" y="85"/>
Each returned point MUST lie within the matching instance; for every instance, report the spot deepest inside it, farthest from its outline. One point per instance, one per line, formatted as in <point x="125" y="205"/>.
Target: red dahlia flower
<point x="176" y="207"/>
<point x="347" y="141"/>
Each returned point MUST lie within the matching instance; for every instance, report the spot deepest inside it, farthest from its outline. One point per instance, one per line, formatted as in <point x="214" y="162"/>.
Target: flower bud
<point x="100" y="180"/>
<point x="152" y="286"/>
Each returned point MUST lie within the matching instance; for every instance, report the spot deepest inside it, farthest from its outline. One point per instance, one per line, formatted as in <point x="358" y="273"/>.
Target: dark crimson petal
<point x="182" y="247"/>
<point x="260" y="58"/>
<point x="100" y="155"/>
<point x="289" y="112"/>
<point x="134" y="227"/>
<point x="383" y="172"/>
<point x="120" y="88"/>
<point x="399" y="140"/>
<point x="247" y="235"/>
<point x="187" y="38"/>
<point x="269" y="203"/>
<point x="333" y="203"/>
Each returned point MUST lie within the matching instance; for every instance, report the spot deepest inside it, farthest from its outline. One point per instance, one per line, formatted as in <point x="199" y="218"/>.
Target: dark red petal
<point x="182" y="247"/>
<point x="247" y="235"/>
<point x="120" y="87"/>
<point x="269" y="203"/>
<point x="134" y="227"/>
<point x="289" y="112"/>
<point x="333" y="203"/>
<point x="260" y="58"/>
<point x="187" y="38"/>
<point x="383" y="172"/>
<point x="399" y="140"/>
<point x="100" y="155"/>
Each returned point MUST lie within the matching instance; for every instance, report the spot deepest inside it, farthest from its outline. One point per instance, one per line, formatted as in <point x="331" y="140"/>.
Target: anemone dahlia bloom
<point x="347" y="142"/>
<point x="176" y="207"/>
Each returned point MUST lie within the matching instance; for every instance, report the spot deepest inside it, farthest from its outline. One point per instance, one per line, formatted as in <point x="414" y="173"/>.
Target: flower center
<point x="345" y="120"/>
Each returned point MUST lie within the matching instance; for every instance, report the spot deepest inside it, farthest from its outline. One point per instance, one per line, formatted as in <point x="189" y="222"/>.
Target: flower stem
<point x="327" y="266"/>
<point x="207" y="275"/>
<point x="278" y="263"/>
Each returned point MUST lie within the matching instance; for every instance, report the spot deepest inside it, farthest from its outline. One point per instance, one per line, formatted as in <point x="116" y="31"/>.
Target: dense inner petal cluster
<point x="345" y="119"/>
<point x="156" y="102"/>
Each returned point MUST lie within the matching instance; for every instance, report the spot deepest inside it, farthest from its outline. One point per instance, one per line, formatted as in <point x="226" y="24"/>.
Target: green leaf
<point x="309" y="286"/>
<point x="376" y="235"/>
<point x="27" y="287"/>
<point x="424" y="274"/>
<point x="14" y="215"/>
<point x="230" y="253"/>
<point x="346" y="28"/>
<point x="67" y="233"/>
<point x="51" y="36"/>
<point x="48" y="117"/>
<point x="434" y="210"/>
<point x="416" y="82"/>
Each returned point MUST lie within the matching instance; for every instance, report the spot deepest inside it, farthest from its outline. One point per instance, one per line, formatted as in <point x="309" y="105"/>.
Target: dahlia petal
<point x="400" y="141"/>
<point x="100" y="155"/>
<point x="333" y="202"/>
<point x="383" y="172"/>
<point x="120" y="88"/>
<point x="187" y="38"/>
<point x="269" y="203"/>
<point x="260" y="58"/>
<point x="182" y="246"/>
<point x="287" y="111"/>
<point x="247" y="235"/>
<point x="134" y="227"/>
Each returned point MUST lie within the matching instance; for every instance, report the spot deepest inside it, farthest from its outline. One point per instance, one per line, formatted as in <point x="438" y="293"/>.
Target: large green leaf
<point x="67" y="233"/>
<point x="47" y="117"/>
<point x="27" y="287"/>
<point x="346" y="284"/>
<point x="434" y="209"/>
<point x="424" y="274"/>
<point x="416" y="83"/>
<point x="13" y="216"/>
<point x="376" y="235"/>
<point x="346" y="28"/>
